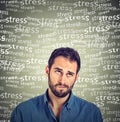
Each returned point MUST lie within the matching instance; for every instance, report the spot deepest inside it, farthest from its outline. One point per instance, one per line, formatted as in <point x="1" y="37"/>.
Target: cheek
<point x="53" y="77"/>
<point x="72" y="82"/>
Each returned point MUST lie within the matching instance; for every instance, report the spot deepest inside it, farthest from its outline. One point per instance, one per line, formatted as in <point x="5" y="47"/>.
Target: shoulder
<point x="82" y="103"/>
<point x="84" y="107"/>
<point x="26" y="108"/>
<point x="30" y="103"/>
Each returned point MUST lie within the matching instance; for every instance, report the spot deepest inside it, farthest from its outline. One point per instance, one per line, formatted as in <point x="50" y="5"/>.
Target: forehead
<point x="65" y="63"/>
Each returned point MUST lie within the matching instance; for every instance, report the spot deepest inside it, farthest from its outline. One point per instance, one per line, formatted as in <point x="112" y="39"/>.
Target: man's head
<point x="62" y="70"/>
<point x="66" y="52"/>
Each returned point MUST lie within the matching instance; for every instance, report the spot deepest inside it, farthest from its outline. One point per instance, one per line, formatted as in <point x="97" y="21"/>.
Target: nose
<point x="63" y="79"/>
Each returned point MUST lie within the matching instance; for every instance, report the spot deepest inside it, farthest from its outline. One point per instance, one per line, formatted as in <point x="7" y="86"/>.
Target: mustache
<point x="62" y="85"/>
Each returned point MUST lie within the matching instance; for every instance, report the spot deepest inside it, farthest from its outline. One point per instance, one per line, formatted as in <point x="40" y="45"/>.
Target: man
<point x="58" y="104"/>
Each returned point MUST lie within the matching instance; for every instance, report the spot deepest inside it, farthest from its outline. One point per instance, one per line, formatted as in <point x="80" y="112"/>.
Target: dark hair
<point x="66" y="52"/>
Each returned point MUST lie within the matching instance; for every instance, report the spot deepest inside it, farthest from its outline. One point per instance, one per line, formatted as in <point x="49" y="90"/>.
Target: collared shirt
<point x="38" y="109"/>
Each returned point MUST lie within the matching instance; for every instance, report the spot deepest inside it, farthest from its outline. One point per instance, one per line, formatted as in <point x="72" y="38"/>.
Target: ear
<point x="77" y="76"/>
<point x="47" y="70"/>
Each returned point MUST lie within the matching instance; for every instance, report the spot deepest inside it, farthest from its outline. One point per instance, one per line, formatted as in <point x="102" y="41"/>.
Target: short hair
<point x="66" y="52"/>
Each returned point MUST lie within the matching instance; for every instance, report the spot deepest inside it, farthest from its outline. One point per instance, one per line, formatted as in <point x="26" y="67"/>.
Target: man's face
<point x="62" y="76"/>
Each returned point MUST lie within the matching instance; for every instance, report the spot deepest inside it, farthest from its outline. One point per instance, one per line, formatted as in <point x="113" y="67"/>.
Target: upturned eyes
<point x="59" y="72"/>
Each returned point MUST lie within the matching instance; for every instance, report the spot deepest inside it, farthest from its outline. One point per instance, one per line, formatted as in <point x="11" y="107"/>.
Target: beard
<point x="59" y="93"/>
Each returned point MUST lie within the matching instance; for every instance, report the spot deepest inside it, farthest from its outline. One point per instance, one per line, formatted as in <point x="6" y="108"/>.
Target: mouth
<point x="60" y="86"/>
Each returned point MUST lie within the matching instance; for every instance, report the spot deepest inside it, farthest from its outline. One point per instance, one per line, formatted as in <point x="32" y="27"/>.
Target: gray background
<point x="31" y="29"/>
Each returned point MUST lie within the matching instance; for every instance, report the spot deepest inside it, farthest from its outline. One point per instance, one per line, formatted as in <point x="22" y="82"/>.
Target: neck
<point x="56" y="101"/>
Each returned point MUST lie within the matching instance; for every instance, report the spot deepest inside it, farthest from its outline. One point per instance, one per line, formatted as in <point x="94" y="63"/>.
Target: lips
<point x="61" y="86"/>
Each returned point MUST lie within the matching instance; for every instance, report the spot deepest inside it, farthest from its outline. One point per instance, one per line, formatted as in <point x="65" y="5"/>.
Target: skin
<point x="61" y="79"/>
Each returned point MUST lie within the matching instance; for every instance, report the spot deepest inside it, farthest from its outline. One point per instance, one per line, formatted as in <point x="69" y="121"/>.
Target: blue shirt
<point x="37" y="109"/>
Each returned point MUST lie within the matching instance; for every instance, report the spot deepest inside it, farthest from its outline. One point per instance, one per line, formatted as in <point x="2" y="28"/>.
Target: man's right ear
<point x="47" y="70"/>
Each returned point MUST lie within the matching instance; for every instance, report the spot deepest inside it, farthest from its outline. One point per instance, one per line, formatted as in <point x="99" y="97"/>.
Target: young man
<point x="58" y="104"/>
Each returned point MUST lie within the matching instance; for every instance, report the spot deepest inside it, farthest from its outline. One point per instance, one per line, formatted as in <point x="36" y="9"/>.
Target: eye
<point x="69" y="74"/>
<point x="58" y="72"/>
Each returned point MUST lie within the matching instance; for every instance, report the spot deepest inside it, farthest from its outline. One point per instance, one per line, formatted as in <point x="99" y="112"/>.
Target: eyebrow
<point x="57" y="68"/>
<point x="72" y="73"/>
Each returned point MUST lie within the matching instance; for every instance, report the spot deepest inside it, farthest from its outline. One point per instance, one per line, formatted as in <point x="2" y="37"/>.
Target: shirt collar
<point x="70" y="101"/>
<point x="46" y="96"/>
